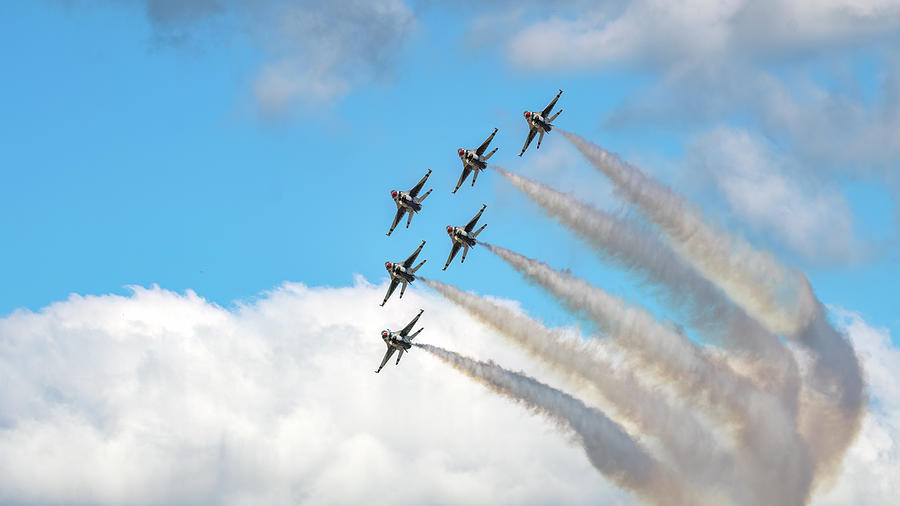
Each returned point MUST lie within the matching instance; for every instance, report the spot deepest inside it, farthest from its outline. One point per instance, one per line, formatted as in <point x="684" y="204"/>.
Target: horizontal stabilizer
<point x="420" y="265"/>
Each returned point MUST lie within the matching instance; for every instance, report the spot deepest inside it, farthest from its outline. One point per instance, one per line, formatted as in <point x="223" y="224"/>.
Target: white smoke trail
<point x="779" y="297"/>
<point x="708" y="309"/>
<point x="688" y="443"/>
<point x="609" y="448"/>
<point x="766" y="431"/>
<point x="769" y="291"/>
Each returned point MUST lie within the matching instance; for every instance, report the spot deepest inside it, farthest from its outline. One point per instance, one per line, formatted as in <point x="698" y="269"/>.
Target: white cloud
<point x="762" y="190"/>
<point x="166" y="398"/>
<point x="320" y="50"/>
<point x="831" y="131"/>
<point x="312" y="52"/>
<point x="666" y="33"/>
<point x="872" y="464"/>
<point x="790" y="71"/>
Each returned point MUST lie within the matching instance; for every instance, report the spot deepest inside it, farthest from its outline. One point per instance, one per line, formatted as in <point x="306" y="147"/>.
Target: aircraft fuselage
<point x="459" y="235"/>
<point x="403" y="199"/>
<point x="472" y="160"/>
<point x="400" y="273"/>
<point x="536" y="121"/>
<point x="396" y="342"/>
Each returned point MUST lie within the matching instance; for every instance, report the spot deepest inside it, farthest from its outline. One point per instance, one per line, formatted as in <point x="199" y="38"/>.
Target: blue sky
<point x="131" y="159"/>
<point x="194" y="191"/>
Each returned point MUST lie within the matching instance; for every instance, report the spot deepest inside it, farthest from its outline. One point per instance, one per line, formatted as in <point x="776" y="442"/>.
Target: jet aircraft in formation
<point x="402" y="273"/>
<point x="474" y="160"/>
<point x="407" y="202"/>
<point x="401" y="341"/>
<point x="538" y="122"/>
<point x="463" y="237"/>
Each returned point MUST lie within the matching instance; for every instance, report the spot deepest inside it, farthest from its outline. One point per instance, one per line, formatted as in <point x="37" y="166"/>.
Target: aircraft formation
<point x="409" y="203"/>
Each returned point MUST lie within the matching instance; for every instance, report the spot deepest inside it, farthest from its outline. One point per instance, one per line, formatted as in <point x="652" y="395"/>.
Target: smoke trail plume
<point x="779" y="297"/>
<point x="708" y="309"/>
<point x="765" y="430"/>
<point x="609" y="448"/>
<point x="687" y="442"/>
<point x="769" y="291"/>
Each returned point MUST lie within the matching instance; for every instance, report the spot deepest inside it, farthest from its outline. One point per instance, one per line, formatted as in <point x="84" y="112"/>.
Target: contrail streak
<point x="687" y="441"/>
<point x="779" y="297"/>
<point x="708" y="309"/>
<point x="609" y="448"/>
<point x="772" y="293"/>
<point x="765" y="430"/>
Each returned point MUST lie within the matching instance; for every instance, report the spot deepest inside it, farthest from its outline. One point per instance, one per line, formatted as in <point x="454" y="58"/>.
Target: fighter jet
<point x="398" y="341"/>
<point x="463" y="237"/>
<point x="408" y="203"/>
<point x="402" y="273"/>
<point x="539" y="122"/>
<point x="474" y="160"/>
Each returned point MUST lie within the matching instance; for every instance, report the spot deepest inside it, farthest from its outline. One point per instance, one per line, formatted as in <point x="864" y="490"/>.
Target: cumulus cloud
<point x="665" y="33"/>
<point x="752" y="177"/>
<point x="325" y="48"/>
<point x="174" y="12"/>
<point x="789" y="71"/>
<point x="714" y="60"/>
<point x="312" y="52"/>
<point x="160" y="397"/>
<point x="872" y="464"/>
<point x="828" y="130"/>
<point x="164" y="397"/>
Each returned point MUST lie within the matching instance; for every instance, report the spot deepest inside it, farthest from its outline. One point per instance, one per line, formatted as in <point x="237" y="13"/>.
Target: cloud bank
<point x="819" y="80"/>
<point x="163" y="397"/>
<point x="160" y="397"/>
<point x="312" y="53"/>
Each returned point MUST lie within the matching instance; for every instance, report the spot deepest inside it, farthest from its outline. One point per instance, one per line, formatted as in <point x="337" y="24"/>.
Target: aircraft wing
<point x="453" y="251"/>
<point x="409" y="327"/>
<point x="418" y="187"/>
<point x="391" y="288"/>
<point x="549" y="107"/>
<point x="462" y="177"/>
<point x="471" y="224"/>
<point x="387" y="356"/>
<point x="528" y="140"/>
<point x="412" y="258"/>
<point x="397" y="217"/>
<point x="485" y="144"/>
